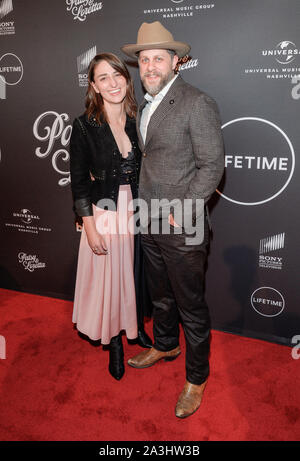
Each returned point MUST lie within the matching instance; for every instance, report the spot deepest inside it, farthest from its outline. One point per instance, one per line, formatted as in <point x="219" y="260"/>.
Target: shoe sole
<point x="166" y="359"/>
<point x="189" y="414"/>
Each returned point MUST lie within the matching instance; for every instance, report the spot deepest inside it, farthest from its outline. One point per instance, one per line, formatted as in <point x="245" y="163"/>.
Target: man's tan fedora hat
<point x="155" y="36"/>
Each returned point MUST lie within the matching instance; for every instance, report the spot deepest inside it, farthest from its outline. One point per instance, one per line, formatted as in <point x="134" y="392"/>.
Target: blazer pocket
<point x="172" y="177"/>
<point x="171" y="192"/>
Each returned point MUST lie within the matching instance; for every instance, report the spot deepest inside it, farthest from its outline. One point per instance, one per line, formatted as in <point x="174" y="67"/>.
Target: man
<point x="180" y="138"/>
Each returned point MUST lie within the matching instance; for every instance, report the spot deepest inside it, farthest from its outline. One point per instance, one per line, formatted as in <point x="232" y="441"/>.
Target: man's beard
<point x="156" y="87"/>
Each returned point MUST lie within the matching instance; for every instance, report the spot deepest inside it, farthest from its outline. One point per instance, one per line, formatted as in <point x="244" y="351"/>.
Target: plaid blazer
<point x="183" y="153"/>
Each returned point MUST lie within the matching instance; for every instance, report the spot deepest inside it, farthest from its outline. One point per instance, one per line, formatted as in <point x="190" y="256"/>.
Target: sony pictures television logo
<point x="81" y="9"/>
<point x="259" y="161"/>
<point x="267" y="302"/>
<point x="6" y="6"/>
<point x="83" y="62"/>
<point x="7" y="27"/>
<point x="268" y="251"/>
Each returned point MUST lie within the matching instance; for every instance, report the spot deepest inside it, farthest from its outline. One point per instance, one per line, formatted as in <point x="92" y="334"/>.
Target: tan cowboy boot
<point x="149" y="357"/>
<point x="190" y="399"/>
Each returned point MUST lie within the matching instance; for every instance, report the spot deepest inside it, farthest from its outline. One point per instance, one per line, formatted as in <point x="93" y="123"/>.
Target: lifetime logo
<point x="256" y="162"/>
<point x="11" y="72"/>
<point x="267" y="301"/>
<point x="256" y="171"/>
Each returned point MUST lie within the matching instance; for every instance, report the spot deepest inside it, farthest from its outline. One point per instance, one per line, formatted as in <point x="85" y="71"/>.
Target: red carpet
<point x="55" y="386"/>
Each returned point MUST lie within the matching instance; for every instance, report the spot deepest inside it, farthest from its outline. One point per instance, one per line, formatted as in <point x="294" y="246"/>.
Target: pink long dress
<point x="104" y="302"/>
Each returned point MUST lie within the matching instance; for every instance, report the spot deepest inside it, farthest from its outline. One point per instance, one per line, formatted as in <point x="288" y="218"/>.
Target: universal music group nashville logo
<point x="279" y="62"/>
<point x="178" y="9"/>
<point x="26" y="221"/>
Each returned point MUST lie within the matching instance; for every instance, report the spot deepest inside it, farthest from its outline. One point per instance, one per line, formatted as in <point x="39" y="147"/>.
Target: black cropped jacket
<point x="94" y="151"/>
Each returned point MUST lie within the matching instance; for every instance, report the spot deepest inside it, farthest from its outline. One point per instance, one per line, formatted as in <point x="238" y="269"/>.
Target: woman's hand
<point x="96" y="241"/>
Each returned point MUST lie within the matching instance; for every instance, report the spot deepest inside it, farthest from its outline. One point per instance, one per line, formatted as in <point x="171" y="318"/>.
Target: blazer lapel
<point x="138" y="121"/>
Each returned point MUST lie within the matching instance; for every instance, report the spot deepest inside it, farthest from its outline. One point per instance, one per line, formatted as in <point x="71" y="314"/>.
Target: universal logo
<point x="83" y="62"/>
<point x="6" y="27"/>
<point x="81" y="9"/>
<point x="284" y="53"/>
<point x="267" y="302"/>
<point x="50" y="127"/>
<point x="30" y="262"/>
<point x="178" y="11"/>
<point x="11" y="72"/>
<point x="26" y="216"/>
<point x="269" y="245"/>
<point x="256" y="173"/>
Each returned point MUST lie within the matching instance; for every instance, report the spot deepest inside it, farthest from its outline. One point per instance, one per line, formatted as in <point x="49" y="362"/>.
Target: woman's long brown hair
<point x="94" y="102"/>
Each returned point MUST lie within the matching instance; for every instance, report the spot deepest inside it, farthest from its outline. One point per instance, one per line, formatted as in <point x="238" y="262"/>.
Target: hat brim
<point x="180" y="48"/>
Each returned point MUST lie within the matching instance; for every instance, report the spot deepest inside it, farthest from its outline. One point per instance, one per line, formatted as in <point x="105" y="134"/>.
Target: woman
<point x="105" y="163"/>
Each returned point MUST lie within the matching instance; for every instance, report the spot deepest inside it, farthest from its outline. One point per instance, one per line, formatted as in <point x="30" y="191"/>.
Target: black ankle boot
<point x="116" y="357"/>
<point x="143" y="339"/>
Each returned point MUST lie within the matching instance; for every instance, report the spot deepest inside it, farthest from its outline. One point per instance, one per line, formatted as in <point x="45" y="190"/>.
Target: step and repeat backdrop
<point x="246" y="55"/>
